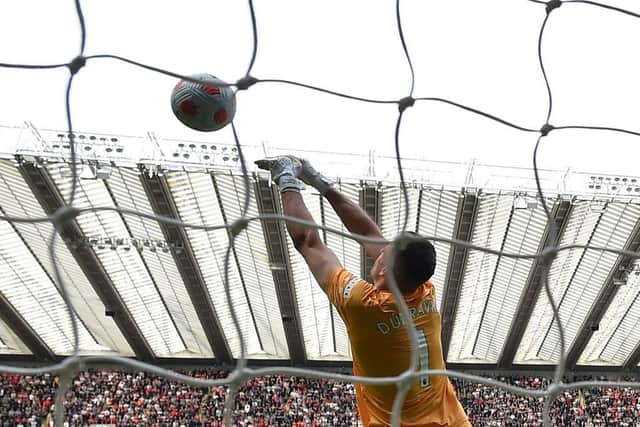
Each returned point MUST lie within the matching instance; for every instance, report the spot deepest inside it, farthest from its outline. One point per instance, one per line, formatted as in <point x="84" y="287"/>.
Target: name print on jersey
<point x="394" y="322"/>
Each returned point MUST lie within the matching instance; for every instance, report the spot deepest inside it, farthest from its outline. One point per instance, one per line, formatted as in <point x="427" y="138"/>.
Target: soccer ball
<point x="203" y="107"/>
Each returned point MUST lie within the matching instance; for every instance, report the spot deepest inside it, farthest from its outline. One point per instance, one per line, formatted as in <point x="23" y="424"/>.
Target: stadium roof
<point x="156" y="290"/>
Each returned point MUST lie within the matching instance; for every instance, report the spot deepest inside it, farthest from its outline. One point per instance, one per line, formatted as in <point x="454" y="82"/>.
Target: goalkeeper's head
<point x="415" y="262"/>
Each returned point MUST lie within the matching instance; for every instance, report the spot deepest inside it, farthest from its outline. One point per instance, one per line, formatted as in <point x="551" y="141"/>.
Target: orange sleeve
<point x="342" y="288"/>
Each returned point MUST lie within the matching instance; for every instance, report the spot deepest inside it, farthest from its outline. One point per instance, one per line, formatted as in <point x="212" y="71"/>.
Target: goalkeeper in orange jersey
<point x="380" y="342"/>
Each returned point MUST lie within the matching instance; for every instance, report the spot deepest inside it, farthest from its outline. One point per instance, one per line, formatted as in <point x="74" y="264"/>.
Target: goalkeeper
<point x="380" y="343"/>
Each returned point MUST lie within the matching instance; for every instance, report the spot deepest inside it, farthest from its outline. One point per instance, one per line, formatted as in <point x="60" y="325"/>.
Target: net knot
<point x="405" y="379"/>
<point x="547" y="256"/>
<point x="405" y="103"/>
<point x="246" y="82"/>
<point x="238" y="377"/>
<point x="77" y="63"/>
<point x="65" y="214"/>
<point x="238" y="225"/>
<point x="553" y="4"/>
<point x="546" y="129"/>
<point x="554" y="390"/>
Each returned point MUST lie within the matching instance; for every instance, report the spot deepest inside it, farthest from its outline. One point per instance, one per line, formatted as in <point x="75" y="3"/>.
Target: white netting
<point x="241" y="373"/>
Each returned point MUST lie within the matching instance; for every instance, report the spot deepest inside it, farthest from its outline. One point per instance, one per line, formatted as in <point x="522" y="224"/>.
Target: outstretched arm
<point x="355" y="219"/>
<point x="320" y="259"/>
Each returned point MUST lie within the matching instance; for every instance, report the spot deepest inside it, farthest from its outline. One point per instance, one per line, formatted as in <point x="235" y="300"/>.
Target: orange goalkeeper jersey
<point x="381" y="348"/>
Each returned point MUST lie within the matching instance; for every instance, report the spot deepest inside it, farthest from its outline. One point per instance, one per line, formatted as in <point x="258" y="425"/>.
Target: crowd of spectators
<point x="593" y="406"/>
<point x="132" y="399"/>
<point x="137" y="398"/>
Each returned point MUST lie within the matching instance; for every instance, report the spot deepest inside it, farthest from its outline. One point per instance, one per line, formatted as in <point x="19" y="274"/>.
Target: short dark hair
<point x="415" y="262"/>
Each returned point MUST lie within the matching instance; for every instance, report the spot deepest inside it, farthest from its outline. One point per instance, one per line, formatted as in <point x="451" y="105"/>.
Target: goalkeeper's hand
<point x="312" y="177"/>
<point x="284" y="172"/>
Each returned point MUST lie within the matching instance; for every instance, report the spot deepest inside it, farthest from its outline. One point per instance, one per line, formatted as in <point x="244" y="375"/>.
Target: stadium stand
<point x="134" y="399"/>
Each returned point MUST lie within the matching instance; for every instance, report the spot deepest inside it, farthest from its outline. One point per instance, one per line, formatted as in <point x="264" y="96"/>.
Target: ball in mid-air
<point x="204" y="107"/>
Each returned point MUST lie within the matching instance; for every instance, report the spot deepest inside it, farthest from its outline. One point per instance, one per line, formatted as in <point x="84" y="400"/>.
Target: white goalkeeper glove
<point x="284" y="171"/>
<point x="312" y="177"/>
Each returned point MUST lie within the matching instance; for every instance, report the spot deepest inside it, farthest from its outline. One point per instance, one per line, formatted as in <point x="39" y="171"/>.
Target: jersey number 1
<point x="423" y="353"/>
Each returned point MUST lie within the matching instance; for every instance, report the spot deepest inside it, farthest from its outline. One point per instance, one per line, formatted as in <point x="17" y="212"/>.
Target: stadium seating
<point x="130" y="399"/>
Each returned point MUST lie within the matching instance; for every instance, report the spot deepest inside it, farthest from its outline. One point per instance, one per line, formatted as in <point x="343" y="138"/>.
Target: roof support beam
<point x="162" y="203"/>
<point x="274" y="234"/>
<point x="529" y="296"/>
<point x="51" y="200"/>
<point x="370" y="201"/>
<point x="21" y="328"/>
<point x="467" y="208"/>
<point x="602" y="302"/>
